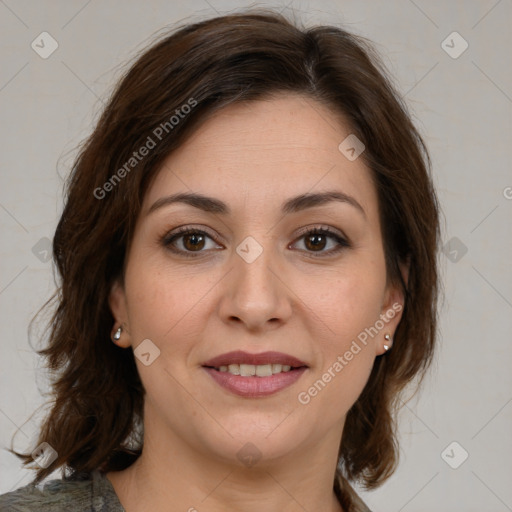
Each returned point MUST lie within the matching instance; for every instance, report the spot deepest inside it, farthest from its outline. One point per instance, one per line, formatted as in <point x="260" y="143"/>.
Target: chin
<point x="261" y="436"/>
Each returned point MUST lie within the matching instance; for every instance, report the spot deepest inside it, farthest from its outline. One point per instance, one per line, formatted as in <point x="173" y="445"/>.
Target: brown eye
<point x="317" y="239"/>
<point x="187" y="241"/>
<point x="193" y="241"/>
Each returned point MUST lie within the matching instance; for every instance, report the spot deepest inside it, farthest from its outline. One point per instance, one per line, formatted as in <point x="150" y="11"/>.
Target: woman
<point x="248" y="273"/>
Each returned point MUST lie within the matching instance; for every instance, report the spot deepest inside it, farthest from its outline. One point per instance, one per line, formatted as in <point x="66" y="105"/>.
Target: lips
<point x="241" y="357"/>
<point x="254" y="375"/>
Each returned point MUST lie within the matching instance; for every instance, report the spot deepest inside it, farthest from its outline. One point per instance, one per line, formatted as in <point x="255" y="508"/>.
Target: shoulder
<point x="94" y="494"/>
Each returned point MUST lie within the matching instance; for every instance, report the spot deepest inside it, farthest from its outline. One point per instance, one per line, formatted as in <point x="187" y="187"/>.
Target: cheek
<point x="153" y="305"/>
<point x="345" y="304"/>
<point x="342" y="310"/>
<point x="165" y="303"/>
<point x="345" y="350"/>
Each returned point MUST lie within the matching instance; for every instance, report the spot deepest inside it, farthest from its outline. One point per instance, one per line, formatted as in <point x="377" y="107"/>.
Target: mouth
<point x="255" y="375"/>
<point x="252" y="370"/>
<point x="264" y="364"/>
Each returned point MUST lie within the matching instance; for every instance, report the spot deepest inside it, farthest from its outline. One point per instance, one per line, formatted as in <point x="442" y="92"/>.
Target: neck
<point x="182" y="476"/>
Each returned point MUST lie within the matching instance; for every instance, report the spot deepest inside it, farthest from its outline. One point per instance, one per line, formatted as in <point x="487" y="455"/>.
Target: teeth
<point x="234" y="369"/>
<point x="264" y="370"/>
<point x="250" y="370"/>
<point x="247" y="370"/>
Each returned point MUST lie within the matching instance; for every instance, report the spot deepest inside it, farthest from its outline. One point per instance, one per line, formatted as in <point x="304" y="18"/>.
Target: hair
<point x="95" y="419"/>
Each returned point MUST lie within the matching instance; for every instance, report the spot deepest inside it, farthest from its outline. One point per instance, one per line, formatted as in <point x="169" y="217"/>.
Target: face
<point x="258" y="268"/>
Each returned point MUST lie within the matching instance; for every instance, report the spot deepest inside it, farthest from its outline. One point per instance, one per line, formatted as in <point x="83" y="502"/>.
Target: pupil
<point x="316" y="243"/>
<point x="195" y="240"/>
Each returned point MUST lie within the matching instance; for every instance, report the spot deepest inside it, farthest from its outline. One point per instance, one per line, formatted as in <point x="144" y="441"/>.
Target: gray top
<point x="93" y="495"/>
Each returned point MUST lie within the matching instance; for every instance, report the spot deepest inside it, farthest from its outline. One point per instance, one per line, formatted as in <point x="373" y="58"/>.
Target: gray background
<point x="462" y="106"/>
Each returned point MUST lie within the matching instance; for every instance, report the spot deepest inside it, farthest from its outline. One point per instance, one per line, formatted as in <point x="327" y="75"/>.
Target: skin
<point x="294" y="298"/>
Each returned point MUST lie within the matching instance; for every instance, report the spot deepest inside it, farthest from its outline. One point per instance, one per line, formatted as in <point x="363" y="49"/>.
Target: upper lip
<point x="241" y="357"/>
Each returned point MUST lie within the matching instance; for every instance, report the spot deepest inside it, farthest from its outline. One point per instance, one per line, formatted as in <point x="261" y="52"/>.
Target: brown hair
<point x="96" y="414"/>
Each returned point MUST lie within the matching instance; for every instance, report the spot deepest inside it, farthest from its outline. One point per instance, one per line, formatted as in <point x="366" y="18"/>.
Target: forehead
<point x="260" y="153"/>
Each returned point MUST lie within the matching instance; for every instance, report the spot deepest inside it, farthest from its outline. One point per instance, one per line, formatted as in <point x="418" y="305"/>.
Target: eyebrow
<point x="292" y="205"/>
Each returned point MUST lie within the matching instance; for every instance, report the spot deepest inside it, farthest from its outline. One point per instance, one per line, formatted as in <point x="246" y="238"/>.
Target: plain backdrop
<point x="461" y="100"/>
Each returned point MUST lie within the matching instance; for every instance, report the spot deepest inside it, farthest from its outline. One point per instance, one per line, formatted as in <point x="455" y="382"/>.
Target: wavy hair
<point x="95" y="419"/>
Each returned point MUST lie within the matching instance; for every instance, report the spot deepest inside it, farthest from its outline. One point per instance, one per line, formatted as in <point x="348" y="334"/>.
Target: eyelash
<point x="168" y="239"/>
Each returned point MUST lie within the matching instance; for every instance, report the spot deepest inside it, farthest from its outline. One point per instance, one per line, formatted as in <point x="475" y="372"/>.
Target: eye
<point x="316" y="239"/>
<point x="186" y="241"/>
<point x="191" y="240"/>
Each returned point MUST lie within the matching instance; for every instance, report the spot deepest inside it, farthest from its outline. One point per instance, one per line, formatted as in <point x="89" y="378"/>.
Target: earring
<point x="387" y="346"/>
<point x="117" y="335"/>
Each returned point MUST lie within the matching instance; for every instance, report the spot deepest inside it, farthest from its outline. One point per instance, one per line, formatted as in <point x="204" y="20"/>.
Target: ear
<point x="392" y="309"/>
<point x="117" y="303"/>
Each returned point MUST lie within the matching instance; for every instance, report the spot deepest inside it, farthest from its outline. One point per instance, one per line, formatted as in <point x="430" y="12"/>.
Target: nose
<point x="256" y="294"/>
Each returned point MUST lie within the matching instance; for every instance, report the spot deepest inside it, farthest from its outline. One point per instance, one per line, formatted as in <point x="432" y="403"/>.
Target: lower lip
<point x="253" y="387"/>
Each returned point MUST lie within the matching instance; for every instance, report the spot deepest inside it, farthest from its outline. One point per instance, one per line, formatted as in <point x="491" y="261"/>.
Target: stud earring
<point x="117" y="335"/>
<point x="387" y="346"/>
